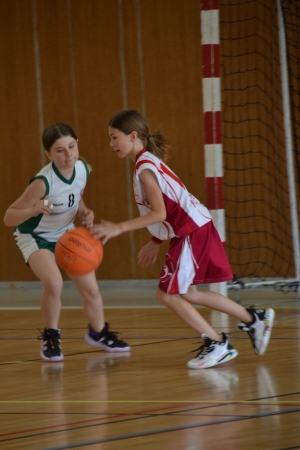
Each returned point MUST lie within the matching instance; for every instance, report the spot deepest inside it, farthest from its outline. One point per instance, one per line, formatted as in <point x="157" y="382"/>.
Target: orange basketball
<point x="78" y="252"/>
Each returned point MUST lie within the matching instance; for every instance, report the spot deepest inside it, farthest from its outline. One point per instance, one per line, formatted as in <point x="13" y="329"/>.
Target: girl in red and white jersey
<point x="195" y="255"/>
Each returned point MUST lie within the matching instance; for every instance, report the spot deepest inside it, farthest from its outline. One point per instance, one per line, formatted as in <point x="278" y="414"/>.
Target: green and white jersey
<point x="65" y="195"/>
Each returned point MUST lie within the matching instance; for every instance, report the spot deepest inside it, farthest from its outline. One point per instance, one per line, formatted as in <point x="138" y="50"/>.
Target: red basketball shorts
<point x="198" y="258"/>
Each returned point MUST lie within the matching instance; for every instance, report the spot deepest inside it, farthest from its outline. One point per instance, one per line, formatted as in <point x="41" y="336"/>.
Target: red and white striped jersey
<point x="184" y="212"/>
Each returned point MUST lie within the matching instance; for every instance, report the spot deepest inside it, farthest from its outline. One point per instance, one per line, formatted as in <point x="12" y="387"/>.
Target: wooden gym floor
<point x="146" y="399"/>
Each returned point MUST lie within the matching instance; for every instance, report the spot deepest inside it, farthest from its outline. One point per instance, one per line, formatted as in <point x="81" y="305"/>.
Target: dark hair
<point x="54" y="132"/>
<point x="131" y="120"/>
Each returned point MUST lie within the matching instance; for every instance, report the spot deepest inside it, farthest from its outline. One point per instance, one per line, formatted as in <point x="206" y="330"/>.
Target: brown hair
<point x="54" y="132"/>
<point x="131" y="120"/>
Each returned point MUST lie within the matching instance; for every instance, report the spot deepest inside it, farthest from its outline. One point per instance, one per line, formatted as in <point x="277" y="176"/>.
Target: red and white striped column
<point x="211" y="86"/>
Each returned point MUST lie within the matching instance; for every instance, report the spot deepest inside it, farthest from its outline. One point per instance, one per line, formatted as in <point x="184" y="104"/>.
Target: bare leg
<point x="92" y="300"/>
<point x="42" y="263"/>
<point x="187" y="313"/>
<point x="218" y="302"/>
<point x="181" y="305"/>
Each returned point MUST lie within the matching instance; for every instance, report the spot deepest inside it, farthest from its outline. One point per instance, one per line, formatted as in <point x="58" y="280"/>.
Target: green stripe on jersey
<point x="45" y="181"/>
<point x="29" y="225"/>
<point x="86" y="168"/>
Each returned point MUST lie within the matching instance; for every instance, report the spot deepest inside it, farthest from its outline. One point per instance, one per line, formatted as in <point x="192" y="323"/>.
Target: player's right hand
<point x="43" y="206"/>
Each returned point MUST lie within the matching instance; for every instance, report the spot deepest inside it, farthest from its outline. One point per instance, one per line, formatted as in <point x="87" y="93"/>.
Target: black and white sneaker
<point x="260" y="329"/>
<point x="51" y="350"/>
<point x="107" y="340"/>
<point x="212" y="353"/>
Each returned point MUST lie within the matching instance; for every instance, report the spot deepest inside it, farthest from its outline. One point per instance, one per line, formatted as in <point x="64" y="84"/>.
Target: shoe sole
<point x="93" y="343"/>
<point x="53" y="358"/>
<point x="266" y="338"/>
<point x="212" y="362"/>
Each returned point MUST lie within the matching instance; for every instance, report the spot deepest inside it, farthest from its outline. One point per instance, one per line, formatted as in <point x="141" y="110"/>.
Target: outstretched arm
<point x="29" y="204"/>
<point x="158" y="213"/>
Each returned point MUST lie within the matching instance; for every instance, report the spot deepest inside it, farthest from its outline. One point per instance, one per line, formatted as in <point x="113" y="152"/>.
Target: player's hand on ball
<point x="148" y="254"/>
<point x="106" y="230"/>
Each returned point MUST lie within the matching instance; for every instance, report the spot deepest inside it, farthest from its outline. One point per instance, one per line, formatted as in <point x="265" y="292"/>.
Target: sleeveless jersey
<point x="65" y="195"/>
<point x="184" y="212"/>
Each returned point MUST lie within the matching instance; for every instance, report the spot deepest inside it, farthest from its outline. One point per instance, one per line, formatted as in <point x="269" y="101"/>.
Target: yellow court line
<point x="15" y="362"/>
<point x="201" y="402"/>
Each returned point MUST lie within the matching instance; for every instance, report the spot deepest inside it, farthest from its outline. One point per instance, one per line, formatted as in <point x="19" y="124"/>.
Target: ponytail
<point x="157" y="144"/>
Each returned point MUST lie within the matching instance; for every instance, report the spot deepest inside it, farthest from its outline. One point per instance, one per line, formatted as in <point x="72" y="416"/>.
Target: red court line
<point x="116" y="416"/>
<point x="144" y="412"/>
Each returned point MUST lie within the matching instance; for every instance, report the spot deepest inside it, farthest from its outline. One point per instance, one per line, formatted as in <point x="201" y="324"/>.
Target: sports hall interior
<point x="81" y="62"/>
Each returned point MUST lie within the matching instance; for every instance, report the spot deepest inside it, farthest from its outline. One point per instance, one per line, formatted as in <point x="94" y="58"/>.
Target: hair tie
<point x="148" y="137"/>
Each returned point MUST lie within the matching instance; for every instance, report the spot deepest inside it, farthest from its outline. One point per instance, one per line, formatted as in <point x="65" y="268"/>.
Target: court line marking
<point x="140" y="415"/>
<point x="179" y="402"/>
<point x="168" y="429"/>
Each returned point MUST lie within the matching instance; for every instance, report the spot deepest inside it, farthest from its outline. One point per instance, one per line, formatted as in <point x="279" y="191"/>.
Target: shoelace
<point x="202" y="347"/>
<point x="49" y="341"/>
<point x="201" y="350"/>
<point x="206" y="345"/>
<point x="111" y="335"/>
<point x="247" y="326"/>
<point x="41" y="336"/>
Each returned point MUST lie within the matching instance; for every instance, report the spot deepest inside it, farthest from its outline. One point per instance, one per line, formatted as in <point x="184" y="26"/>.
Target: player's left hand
<point x="106" y="230"/>
<point x="87" y="218"/>
<point x="148" y="254"/>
